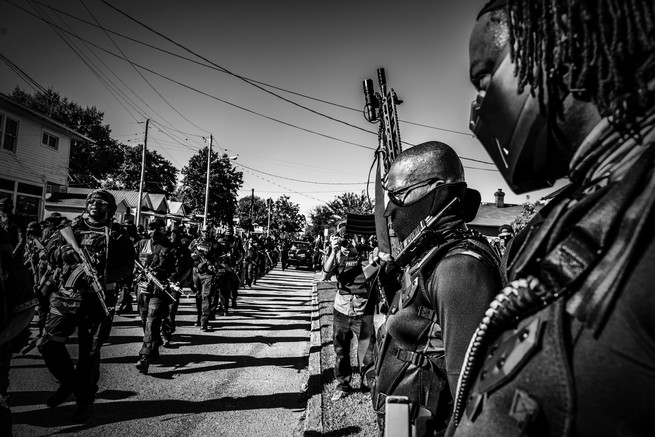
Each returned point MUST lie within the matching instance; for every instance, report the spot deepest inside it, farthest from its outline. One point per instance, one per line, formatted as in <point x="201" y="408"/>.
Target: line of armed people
<point x="77" y="274"/>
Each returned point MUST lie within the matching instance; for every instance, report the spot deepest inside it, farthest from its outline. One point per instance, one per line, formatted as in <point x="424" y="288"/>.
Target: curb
<point x="314" y="410"/>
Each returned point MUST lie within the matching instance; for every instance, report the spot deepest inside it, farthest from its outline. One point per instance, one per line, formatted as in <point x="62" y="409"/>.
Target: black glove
<point x="68" y="255"/>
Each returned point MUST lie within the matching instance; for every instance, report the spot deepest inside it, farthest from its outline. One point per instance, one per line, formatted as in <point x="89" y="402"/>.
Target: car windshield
<point x="299" y="245"/>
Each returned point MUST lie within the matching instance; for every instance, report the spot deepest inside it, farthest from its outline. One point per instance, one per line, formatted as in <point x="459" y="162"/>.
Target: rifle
<point x="89" y="270"/>
<point x="152" y="278"/>
<point x="30" y="259"/>
<point x="381" y="108"/>
<point x="413" y="245"/>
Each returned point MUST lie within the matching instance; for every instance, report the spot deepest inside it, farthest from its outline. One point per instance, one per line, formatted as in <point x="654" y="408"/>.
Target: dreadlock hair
<point x="606" y="46"/>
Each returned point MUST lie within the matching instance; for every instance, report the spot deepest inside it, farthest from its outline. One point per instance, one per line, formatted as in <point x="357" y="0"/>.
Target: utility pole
<point x="209" y="163"/>
<point x="268" y="227"/>
<point x="143" y="173"/>
<point x="252" y="208"/>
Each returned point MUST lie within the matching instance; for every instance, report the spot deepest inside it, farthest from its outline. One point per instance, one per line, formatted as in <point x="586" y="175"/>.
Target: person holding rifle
<point x="91" y="256"/>
<point x="156" y="263"/>
<point x="443" y="277"/>
<point x="204" y="251"/>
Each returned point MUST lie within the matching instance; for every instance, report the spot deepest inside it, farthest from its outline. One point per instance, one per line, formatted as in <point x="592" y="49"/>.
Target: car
<point x="301" y="254"/>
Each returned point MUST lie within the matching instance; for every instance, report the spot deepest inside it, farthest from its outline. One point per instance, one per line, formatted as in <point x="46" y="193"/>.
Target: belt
<point x="414" y="358"/>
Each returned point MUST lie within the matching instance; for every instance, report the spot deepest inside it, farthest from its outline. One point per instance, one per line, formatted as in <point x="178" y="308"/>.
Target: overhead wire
<point x="94" y="70"/>
<point x="23" y="75"/>
<point x="211" y="96"/>
<point x="114" y="90"/>
<point x="140" y="74"/>
<point x="256" y="83"/>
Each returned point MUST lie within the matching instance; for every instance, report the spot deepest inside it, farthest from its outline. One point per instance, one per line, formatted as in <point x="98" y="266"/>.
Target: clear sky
<point x="323" y="50"/>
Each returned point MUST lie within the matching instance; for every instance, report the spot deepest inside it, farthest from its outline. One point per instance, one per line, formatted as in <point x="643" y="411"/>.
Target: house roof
<point x="131" y="197"/>
<point x="491" y="215"/>
<point x="44" y="119"/>
<point x="72" y="200"/>
<point x="158" y="201"/>
<point x="178" y="208"/>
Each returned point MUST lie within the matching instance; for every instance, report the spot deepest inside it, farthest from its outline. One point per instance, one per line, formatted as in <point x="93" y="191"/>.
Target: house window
<point x="28" y="206"/>
<point x="50" y="141"/>
<point x="9" y="134"/>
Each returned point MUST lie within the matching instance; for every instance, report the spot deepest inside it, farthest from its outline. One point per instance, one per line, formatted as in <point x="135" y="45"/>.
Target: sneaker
<point x="82" y="413"/>
<point x="206" y="328"/>
<point x="59" y="396"/>
<point x="198" y="322"/>
<point x="339" y="394"/>
<point x="143" y="364"/>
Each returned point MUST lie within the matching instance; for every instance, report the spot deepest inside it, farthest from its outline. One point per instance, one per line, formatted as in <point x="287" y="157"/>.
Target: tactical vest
<point x="518" y="377"/>
<point x="419" y="373"/>
<point x="94" y="240"/>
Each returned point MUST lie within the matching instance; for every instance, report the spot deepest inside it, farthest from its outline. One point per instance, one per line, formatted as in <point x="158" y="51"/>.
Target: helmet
<point x="105" y="196"/>
<point x="6" y="205"/>
<point x="33" y="226"/>
<point x="505" y="231"/>
<point x="158" y="223"/>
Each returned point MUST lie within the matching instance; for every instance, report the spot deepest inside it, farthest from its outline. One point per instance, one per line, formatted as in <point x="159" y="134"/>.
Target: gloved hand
<point x="68" y="255"/>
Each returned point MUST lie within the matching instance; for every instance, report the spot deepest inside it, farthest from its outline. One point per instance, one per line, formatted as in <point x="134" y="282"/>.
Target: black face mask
<point x="516" y="135"/>
<point x="404" y="219"/>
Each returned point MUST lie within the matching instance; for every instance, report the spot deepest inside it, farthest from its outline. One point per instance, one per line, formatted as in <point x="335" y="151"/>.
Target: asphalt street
<point x="246" y="378"/>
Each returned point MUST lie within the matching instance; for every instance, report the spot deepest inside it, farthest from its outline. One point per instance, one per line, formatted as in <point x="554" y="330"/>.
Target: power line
<point x="222" y="69"/>
<point x="299" y="180"/>
<point x="26" y="77"/>
<point x="139" y="73"/>
<point x="249" y="80"/>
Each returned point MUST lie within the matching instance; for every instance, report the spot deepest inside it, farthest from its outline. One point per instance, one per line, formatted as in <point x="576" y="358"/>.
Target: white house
<point x="34" y="156"/>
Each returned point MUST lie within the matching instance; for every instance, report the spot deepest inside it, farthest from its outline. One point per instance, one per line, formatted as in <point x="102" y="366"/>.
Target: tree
<point x="323" y="217"/>
<point x="525" y="216"/>
<point x="259" y="211"/>
<point x="224" y="182"/>
<point x="90" y="162"/>
<point x="351" y="203"/>
<point x="160" y="174"/>
<point x="286" y="217"/>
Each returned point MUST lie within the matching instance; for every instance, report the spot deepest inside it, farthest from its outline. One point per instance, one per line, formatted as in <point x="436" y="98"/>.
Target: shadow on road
<point x="120" y="411"/>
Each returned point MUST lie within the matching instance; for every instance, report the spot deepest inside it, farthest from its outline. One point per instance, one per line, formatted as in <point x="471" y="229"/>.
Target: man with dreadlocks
<point x="568" y="348"/>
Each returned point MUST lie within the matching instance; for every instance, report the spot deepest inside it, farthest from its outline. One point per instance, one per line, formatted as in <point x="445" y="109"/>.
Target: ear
<point x="472" y="200"/>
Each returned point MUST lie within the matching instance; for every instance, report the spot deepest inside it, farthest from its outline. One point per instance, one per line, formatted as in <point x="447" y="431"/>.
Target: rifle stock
<point x="89" y="270"/>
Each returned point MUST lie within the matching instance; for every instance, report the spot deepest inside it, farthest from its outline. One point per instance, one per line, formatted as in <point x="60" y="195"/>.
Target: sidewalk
<point x="352" y="415"/>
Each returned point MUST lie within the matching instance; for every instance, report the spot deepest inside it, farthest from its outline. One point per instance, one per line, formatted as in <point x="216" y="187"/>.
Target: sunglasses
<point x="399" y="197"/>
<point x="98" y="202"/>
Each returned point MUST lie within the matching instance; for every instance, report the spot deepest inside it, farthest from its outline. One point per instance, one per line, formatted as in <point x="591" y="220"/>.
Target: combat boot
<point x="143" y="364"/>
<point x="82" y="413"/>
<point x="59" y="396"/>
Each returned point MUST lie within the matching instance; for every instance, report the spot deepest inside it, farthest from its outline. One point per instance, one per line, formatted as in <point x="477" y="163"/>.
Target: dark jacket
<point x="571" y="351"/>
<point x="431" y="320"/>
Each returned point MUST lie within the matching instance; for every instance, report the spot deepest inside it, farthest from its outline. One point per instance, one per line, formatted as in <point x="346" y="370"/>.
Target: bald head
<point x="427" y="160"/>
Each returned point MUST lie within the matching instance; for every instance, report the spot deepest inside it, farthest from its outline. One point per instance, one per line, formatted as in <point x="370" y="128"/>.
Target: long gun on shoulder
<point x="89" y="270"/>
<point x="152" y="278"/>
<point x="416" y="241"/>
<point x="381" y="107"/>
